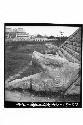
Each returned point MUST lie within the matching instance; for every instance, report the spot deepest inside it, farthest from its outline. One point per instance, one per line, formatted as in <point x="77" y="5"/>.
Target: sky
<point x="47" y="30"/>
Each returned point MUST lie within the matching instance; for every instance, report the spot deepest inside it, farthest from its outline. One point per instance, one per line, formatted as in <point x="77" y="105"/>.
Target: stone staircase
<point x="71" y="50"/>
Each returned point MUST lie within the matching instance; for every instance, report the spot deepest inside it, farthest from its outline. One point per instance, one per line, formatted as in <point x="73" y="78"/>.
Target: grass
<point x="19" y="57"/>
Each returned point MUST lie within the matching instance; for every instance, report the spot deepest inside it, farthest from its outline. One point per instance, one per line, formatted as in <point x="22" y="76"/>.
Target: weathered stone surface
<point x="56" y="77"/>
<point x="73" y="48"/>
<point x="73" y="90"/>
<point x="59" y="72"/>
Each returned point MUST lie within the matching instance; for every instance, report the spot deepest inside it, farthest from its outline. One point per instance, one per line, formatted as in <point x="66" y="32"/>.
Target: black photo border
<point x="9" y="104"/>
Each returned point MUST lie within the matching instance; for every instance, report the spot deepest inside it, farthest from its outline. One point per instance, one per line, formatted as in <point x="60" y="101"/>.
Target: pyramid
<point x="71" y="50"/>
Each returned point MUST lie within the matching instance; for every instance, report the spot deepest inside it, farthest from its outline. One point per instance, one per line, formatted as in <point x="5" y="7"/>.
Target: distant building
<point x="7" y="32"/>
<point x="41" y="39"/>
<point x="16" y="34"/>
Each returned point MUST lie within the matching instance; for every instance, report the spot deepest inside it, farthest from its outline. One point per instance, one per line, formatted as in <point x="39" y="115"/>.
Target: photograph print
<point x="42" y="65"/>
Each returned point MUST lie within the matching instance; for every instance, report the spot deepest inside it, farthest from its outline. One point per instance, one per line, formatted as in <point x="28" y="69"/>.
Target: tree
<point x="39" y="36"/>
<point x="51" y="37"/>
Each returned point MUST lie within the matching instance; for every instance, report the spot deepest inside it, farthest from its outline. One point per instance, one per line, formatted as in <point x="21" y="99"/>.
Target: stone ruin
<point x="60" y="72"/>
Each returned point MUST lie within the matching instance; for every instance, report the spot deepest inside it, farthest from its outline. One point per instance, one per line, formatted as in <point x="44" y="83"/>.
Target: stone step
<point x="73" y="53"/>
<point x="76" y="49"/>
<point x="60" y="54"/>
<point x="75" y="44"/>
<point x="69" y="57"/>
<point x="77" y="83"/>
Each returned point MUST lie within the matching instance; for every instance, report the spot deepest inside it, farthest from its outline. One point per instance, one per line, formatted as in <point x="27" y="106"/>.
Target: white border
<point x="44" y="11"/>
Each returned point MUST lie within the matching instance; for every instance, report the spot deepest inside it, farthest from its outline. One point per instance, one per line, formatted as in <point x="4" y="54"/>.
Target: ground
<point x="17" y="65"/>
